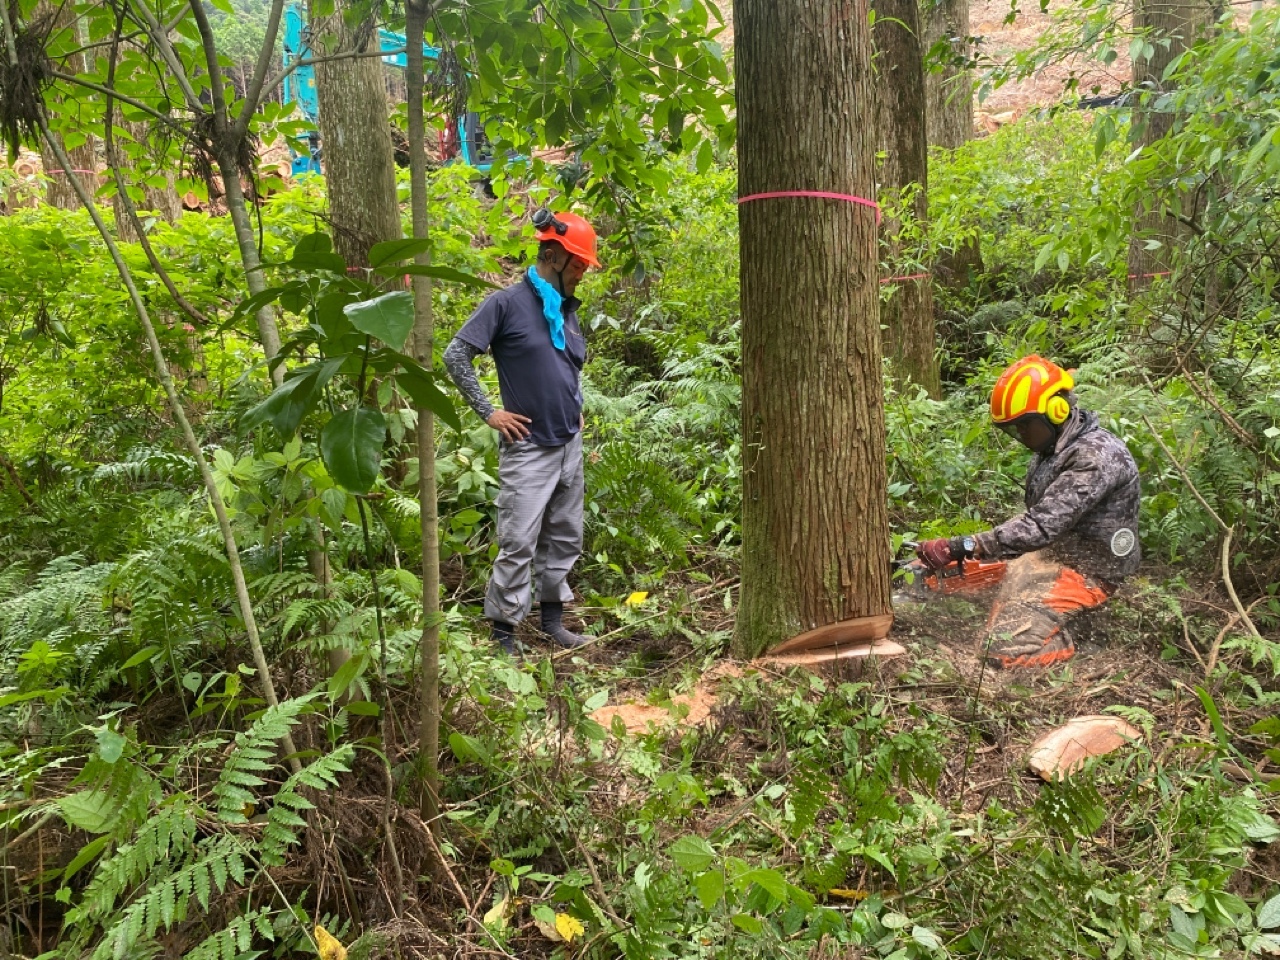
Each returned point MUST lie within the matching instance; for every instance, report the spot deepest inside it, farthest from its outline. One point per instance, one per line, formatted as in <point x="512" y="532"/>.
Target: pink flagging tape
<point x="910" y="276"/>
<point x="821" y="194"/>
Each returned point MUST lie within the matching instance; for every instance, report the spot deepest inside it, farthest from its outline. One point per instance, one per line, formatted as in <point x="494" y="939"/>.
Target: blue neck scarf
<point x="551" y="306"/>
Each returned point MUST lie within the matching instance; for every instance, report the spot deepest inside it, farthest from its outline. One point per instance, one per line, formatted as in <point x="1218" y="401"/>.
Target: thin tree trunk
<point x="424" y="349"/>
<point x="65" y="36"/>
<point x="12" y="471"/>
<point x="950" y="90"/>
<point x="359" y="164"/>
<point x="1173" y="25"/>
<point x="815" y="528"/>
<point x="907" y="316"/>
<point x="193" y="445"/>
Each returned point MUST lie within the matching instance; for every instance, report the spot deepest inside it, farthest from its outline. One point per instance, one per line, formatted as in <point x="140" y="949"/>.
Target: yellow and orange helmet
<point x="1028" y="401"/>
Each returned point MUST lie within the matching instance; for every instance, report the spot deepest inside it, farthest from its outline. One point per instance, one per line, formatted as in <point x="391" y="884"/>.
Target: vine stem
<point x="385" y="705"/>
<point x="175" y="404"/>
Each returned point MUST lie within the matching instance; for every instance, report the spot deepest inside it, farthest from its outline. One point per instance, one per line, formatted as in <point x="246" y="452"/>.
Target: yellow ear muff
<point x="1058" y="410"/>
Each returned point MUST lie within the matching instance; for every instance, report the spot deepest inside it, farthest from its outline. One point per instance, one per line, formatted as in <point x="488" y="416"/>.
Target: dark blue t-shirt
<point x="535" y="378"/>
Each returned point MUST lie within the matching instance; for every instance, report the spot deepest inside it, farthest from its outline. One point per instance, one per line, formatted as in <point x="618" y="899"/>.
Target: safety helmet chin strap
<point x="560" y="273"/>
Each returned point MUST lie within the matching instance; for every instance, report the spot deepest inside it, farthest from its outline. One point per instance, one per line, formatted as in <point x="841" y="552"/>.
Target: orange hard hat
<point x="570" y="231"/>
<point x="1032" y="385"/>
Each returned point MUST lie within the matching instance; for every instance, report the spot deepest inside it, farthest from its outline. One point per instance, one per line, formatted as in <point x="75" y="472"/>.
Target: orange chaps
<point x="1037" y="598"/>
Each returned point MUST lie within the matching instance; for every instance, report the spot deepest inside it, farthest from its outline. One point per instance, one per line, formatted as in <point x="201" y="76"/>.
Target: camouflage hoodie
<point x="1082" y="505"/>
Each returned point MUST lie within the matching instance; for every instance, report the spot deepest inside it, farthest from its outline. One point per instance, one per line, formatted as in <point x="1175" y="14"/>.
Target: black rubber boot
<point x="553" y="626"/>
<point x="504" y="635"/>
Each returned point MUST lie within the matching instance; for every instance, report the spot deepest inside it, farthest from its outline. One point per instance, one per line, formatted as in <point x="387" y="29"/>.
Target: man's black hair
<point x="546" y="246"/>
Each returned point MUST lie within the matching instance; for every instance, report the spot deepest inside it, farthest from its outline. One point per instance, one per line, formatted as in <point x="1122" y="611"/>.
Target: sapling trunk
<point x="188" y="434"/>
<point x="423" y="344"/>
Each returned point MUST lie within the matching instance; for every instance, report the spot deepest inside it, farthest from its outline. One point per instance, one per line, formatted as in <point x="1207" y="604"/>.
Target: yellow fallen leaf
<point x="497" y="915"/>
<point x="548" y="930"/>
<point x="330" y="947"/>
<point x="847" y="894"/>
<point x="568" y="927"/>
<point x="637" y="598"/>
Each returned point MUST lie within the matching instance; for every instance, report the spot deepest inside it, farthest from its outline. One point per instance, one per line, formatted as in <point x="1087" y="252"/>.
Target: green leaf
<point x="747" y="924"/>
<point x="351" y="445"/>
<point x="1269" y="913"/>
<point x="110" y="744"/>
<point x="294" y="398"/>
<point x="771" y="881"/>
<point x="388" y="317"/>
<point x="439" y="273"/>
<point x="710" y="888"/>
<point x="926" y="938"/>
<point x="10" y="698"/>
<point x="394" y="251"/>
<point x="422" y="390"/>
<point x="142" y="656"/>
<point x="345" y="675"/>
<point x="93" y="811"/>
<point x="87" y="854"/>
<point x="692" y="853"/>
<point x="1215" y="718"/>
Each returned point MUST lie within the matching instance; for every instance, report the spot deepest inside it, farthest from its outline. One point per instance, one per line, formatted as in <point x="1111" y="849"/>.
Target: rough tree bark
<point x="814" y="522"/>
<point x="1173" y="26"/>
<point x="64" y="36"/>
<point x="359" y="164"/>
<point x="949" y="91"/>
<point x="907" y="316"/>
<point x="416" y="12"/>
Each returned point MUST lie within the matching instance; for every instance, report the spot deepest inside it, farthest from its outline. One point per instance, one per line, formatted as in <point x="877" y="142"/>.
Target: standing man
<point x="1079" y="535"/>
<point x="532" y="329"/>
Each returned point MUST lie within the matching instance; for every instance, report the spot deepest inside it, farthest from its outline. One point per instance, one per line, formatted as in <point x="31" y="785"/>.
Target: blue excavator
<point x="463" y="140"/>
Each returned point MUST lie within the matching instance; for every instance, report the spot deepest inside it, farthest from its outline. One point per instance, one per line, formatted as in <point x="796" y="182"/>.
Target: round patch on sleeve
<point x="1123" y="541"/>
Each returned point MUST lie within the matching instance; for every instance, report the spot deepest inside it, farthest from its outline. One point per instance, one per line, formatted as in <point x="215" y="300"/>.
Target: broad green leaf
<point x="747" y="924"/>
<point x="1269" y="913"/>
<point x="294" y="398"/>
<point x="351" y="445"/>
<point x="439" y="273"/>
<point x="93" y="811"/>
<point x="424" y="393"/>
<point x="692" y="853"/>
<point x="926" y="938"/>
<point x="11" y="698"/>
<point x="388" y="317"/>
<point x="771" y="881"/>
<point x="394" y="251"/>
<point x="110" y="744"/>
<point x="709" y="888"/>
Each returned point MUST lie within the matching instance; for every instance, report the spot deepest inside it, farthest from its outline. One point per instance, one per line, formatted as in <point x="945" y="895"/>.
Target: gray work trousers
<point x="540" y="494"/>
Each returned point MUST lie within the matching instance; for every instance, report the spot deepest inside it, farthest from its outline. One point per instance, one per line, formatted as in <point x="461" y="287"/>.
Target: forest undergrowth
<point x="146" y="809"/>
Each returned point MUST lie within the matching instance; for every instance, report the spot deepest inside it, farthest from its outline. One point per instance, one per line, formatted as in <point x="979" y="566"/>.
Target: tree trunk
<point x="907" y="316"/>
<point x="359" y="165"/>
<point x="949" y="91"/>
<point x="64" y="37"/>
<point x="162" y="202"/>
<point x="815" y="527"/>
<point x="1173" y="25"/>
<point x="359" y="168"/>
<point x="424" y="349"/>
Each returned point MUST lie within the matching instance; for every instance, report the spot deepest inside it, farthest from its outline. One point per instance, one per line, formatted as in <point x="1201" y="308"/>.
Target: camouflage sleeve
<point x="1075" y="492"/>
<point x="458" y="359"/>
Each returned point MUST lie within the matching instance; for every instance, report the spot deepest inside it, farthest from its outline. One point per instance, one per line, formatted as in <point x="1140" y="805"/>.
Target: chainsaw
<point x="959" y="576"/>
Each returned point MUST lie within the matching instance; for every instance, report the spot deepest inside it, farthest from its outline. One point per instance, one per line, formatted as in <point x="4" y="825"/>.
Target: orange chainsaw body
<point x="973" y="577"/>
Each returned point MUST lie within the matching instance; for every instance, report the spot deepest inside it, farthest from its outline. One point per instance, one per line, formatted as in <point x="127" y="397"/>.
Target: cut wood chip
<point x="1064" y="750"/>
<point x="815" y="658"/>
<point x="859" y="630"/>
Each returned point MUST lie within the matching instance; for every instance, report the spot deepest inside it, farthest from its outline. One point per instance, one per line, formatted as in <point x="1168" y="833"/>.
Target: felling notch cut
<point x="846" y="639"/>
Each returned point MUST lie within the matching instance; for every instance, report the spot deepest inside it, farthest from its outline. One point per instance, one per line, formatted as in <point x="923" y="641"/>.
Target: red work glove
<point x="936" y="554"/>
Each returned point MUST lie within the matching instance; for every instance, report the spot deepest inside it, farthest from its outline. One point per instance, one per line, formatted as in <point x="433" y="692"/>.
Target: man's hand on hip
<point x="510" y="425"/>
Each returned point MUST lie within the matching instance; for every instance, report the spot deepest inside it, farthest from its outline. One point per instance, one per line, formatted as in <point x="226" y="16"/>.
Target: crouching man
<point x="1079" y="535"/>
<point x="532" y="329"/>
